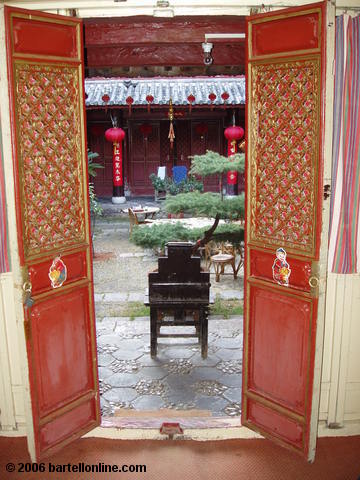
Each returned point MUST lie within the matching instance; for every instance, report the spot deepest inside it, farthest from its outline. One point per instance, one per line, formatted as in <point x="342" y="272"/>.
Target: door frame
<point x="237" y="432"/>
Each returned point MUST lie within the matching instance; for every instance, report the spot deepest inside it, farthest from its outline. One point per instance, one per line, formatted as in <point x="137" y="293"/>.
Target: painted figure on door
<point x="281" y="268"/>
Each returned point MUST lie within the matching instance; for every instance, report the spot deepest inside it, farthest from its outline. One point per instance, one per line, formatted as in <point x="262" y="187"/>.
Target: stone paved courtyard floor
<point x="178" y="379"/>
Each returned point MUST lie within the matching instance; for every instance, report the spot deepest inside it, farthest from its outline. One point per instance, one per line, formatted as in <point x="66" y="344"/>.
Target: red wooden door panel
<point x="283" y="163"/>
<point x="45" y="62"/>
<point x="144" y="157"/>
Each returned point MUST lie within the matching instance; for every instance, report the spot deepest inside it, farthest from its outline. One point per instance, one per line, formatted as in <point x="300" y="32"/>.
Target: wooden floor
<point x="337" y="458"/>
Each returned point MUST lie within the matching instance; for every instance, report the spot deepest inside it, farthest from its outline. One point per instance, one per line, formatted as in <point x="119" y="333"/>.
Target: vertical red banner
<point x="118" y="180"/>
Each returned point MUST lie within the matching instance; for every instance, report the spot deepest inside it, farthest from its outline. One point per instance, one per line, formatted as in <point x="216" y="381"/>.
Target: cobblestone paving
<point x="178" y="378"/>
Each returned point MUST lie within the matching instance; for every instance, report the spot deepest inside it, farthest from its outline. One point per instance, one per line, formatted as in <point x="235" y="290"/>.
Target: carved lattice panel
<point x="50" y="158"/>
<point x="284" y="151"/>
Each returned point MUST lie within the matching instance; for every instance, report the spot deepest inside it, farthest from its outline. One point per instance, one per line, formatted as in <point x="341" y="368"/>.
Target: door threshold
<point x="151" y="422"/>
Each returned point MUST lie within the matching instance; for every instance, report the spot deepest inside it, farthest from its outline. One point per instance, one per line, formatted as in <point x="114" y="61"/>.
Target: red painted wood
<point x="298" y="32"/>
<point x="61" y="349"/>
<point x="29" y="35"/>
<point x="261" y="263"/>
<point x="278" y="355"/>
<point x="39" y="273"/>
<point x="170" y="54"/>
<point x="284" y="429"/>
<point x="280" y="321"/>
<point x="60" y="428"/>
<point x="60" y="342"/>
<point x="142" y="30"/>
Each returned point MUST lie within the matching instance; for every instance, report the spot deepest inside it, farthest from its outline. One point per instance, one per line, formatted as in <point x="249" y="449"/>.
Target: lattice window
<point x="50" y="156"/>
<point x="284" y="152"/>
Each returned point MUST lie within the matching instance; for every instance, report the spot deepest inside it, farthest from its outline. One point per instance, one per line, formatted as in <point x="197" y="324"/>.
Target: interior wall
<point x="340" y="389"/>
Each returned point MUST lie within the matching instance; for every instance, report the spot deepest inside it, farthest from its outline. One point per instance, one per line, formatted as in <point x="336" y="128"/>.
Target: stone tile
<point x="179" y="395"/>
<point x="104" y="372"/>
<point x="207" y="373"/>
<point x="210" y="361"/>
<point x="173" y="352"/>
<point x="158" y="372"/>
<point x="178" y="381"/>
<point x="104" y="359"/>
<point x="146" y="361"/>
<point x="109" y="339"/>
<point x="120" y="395"/>
<point x="123" y="379"/>
<point x="234" y="380"/>
<point x="228" y="342"/>
<point x="229" y="354"/>
<point x="214" y="404"/>
<point x="148" y="402"/>
<point x="98" y="297"/>
<point x="121" y="354"/>
<point x="115" y="297"/>
<point x="233" y="394"/>
<point x="130" y="344"/>
<point x="136" y="296"/>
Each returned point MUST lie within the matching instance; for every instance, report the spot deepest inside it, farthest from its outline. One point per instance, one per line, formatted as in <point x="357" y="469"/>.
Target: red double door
<point x="284" y="180"/>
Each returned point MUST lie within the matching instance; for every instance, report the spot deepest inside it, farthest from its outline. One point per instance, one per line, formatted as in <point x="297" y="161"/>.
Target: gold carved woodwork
<point x="48" y="119"/>
<point x="283" y="154"/>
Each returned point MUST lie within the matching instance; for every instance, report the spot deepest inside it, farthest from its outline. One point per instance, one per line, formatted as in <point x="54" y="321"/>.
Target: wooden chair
<point x="133" y="219"/>
<point x="220" y="256"/>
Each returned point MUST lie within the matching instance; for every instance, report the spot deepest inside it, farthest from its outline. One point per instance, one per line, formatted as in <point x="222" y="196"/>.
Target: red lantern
<point x="105" y="98"/>
<point x="212" y="98"/>
<point x="191" y="100"/>
<point x="146" y="130"/>
<point x="129" y="100"/>
<point x="225" y="96"/>
<point x="233" y="134"/>
<point x="149" y="99"/>
<point x="116" y="136"/>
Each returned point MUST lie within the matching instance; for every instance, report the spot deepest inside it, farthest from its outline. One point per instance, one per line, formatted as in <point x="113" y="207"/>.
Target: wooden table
<point x="146" y="212"/>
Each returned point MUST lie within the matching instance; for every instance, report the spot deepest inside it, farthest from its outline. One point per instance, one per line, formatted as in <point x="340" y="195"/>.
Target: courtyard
<point x="178" y="381"/>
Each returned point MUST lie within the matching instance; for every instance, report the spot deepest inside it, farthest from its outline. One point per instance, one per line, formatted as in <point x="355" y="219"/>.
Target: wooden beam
<point x="145" y="30"/>
<point x="174" y="54"/>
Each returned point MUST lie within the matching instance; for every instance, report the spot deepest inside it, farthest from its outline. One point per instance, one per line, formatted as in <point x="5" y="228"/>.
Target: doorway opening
<point x="178" y="382"/>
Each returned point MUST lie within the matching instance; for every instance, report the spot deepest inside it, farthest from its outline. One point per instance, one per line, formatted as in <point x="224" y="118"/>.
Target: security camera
<point x="207" y="47"/>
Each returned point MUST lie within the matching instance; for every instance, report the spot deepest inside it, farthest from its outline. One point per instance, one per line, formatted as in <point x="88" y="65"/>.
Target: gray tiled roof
<point x="118" y="89"/>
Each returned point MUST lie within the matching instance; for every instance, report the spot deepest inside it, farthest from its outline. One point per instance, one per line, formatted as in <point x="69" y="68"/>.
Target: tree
<point x="198" y="204"/>
<point x="211" y="204"/>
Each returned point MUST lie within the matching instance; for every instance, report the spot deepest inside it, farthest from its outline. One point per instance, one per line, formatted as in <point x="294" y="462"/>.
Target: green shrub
<point x="156" y="236"/>
<point x="190" y="184"/>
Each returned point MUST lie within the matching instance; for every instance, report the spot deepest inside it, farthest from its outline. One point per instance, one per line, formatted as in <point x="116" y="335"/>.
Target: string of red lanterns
<point x="232" y="134"/>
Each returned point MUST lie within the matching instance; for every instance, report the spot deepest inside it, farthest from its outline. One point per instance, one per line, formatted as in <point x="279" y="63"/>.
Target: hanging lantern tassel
<point x="129" y="101"/>
<point x="171" y="135"/>
<point x="149" y="99"/>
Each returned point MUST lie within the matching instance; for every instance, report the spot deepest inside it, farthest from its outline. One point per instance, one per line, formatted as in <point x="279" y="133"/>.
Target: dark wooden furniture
<point x="180" y="290"/>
